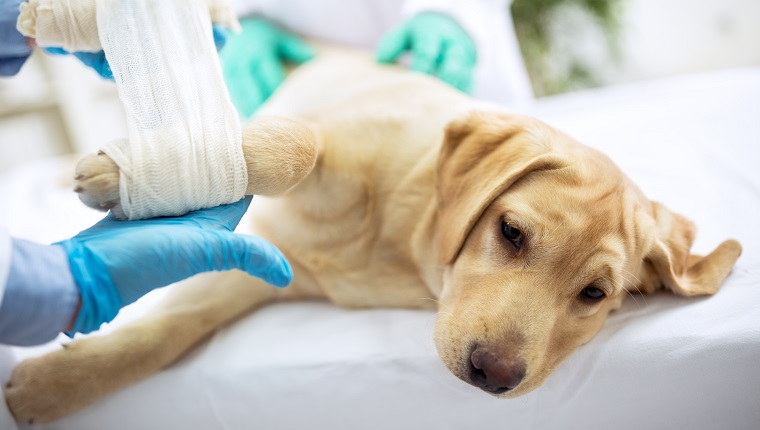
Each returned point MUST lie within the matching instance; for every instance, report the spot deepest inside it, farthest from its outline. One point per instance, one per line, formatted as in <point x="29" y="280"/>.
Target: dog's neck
<point x="422" y="236"/>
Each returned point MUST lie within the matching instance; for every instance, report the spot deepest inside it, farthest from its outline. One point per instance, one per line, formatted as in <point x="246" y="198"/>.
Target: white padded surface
<point x="659" y="362"/>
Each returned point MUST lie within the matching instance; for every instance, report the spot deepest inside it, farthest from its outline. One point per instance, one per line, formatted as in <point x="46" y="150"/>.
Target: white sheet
<point x="660" y="362"/>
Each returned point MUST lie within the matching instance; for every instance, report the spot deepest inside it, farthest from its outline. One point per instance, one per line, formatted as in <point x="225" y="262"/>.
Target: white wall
<point x="667" y="37"/>
<point x="659" y="38"/>
<point x="56" y="106"/>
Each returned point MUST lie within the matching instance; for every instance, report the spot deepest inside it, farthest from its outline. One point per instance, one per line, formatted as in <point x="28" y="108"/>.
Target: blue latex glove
<point x="439" y="46"/>
<point x="94" y="60"/>
<point x="14" y="49"/>
<point x="97" y="60"/>
<point x="116" y="262"/>
<point x="220" y="36"/>
<point x="253" y="62"/>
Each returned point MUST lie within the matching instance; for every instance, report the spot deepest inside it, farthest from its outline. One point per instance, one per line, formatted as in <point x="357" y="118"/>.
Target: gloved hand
<point x="439" y="46"/>
<point x="116" y="262"/>
<point x="97" y="60"/>
<point x="252" y="62"/>
<point x="94" y="60"/>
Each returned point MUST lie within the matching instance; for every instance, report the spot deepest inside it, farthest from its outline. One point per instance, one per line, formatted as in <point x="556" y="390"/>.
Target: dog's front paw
<point x="279" y="153"/>
<point x="97" y="182"/>
<point x="48" y="388"/>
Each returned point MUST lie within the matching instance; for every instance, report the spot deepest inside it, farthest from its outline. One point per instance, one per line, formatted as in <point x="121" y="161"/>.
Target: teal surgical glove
<point x="116" y="262"/>
<point x="97" y="60"/>
<point x="439" y="47"/>
<point x="253" y="60"/>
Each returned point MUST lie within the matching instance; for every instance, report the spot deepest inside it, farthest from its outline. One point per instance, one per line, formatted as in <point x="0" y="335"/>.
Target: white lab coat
<point x="500" y="74"/>
<point x="7" y="359"/>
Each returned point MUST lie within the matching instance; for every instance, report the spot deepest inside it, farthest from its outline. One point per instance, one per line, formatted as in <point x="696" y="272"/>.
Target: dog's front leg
<point x="50" y="387"/>
<point x="279" y="153"/>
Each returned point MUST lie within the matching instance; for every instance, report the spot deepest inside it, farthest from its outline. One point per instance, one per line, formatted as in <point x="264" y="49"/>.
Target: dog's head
<point x="541" y="237"/>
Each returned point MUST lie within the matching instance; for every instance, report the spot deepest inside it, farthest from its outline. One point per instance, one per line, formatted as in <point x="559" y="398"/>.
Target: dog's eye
<point x="513" y="235"/>
<point x="592" y="294"/>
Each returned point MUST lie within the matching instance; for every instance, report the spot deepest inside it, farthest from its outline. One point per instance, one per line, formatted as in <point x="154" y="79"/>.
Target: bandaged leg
<point x="279" y="153"/>
<point x="185" y="149"/>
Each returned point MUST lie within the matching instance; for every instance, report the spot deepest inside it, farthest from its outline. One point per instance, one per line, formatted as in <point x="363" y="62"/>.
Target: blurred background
<point x="56" y="106"/>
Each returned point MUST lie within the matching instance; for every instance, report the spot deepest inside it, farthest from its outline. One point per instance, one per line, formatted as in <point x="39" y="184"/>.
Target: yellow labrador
<point x="524" y="237"/>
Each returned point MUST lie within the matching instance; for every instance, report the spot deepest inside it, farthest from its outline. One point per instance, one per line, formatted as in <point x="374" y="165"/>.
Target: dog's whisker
<point x="557" y="227"/>
<point x="634" y="276"/>
<point x="639" y="283"/>
<point x="643" y="298"/>
<point x="627" y="291"/>
<point x="627" y="279"/>
<point x="634" y="298"/>
<point x="434" y="300"/>
<point x="638" y="291"/>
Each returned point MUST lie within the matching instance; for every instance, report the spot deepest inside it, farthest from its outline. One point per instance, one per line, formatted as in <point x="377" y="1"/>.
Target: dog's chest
<point x="352" y="229"/>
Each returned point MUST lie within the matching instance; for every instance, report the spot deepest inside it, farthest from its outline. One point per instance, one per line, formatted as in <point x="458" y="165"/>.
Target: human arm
<point x="113" y="263"/>
<point x="14" y="47"/>
<point x="41" y="296"/>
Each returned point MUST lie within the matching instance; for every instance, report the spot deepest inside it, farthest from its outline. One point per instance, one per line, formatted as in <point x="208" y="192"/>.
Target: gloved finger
<point x="56" y="51"/>
<point x="457" y="69"/>
<point x="220" y="36"/>
<point x="96" y="61"/>
<point x="293" y="48"/>
<point x="257" y="257"/>
<point x="269" y="74"/>
<point x="393" y="44"/>
<point x="426" y="52"/>
<point x="225" y="217"/>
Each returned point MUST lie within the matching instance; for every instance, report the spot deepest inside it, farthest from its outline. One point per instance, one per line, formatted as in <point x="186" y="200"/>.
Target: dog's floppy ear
<point x="483" y="153"/>
<point x="670" y="264"/>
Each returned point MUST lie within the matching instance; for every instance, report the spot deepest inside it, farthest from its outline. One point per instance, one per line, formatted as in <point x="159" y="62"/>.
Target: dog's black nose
<point x="495" y="374"/>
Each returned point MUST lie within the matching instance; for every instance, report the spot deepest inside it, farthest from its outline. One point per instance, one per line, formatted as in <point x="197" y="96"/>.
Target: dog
<point x="524" y="238"/>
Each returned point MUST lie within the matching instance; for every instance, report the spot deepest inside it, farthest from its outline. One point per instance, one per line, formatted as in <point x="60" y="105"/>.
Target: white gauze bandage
<point x="184" y="150"/>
